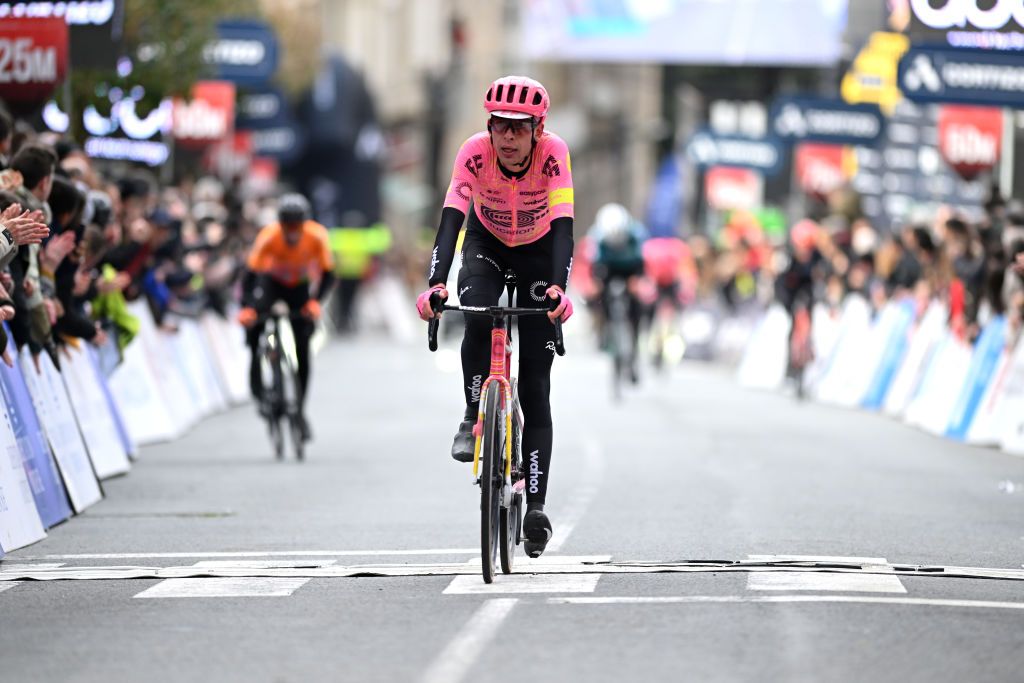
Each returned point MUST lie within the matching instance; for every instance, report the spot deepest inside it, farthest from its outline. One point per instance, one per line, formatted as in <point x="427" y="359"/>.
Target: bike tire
<point x="295" y="431"/>
<point x="511" y="516"/>
<point x="491" y="479"/>
<point x="276" y="437"/>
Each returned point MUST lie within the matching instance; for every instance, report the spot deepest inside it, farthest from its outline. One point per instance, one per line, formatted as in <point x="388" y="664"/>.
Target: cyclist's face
<point x="513" y="140"/>
<point x="292" y="232"/>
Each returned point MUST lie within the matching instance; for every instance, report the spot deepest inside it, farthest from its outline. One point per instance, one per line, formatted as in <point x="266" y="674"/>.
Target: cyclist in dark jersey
<point x="519" y="179"/>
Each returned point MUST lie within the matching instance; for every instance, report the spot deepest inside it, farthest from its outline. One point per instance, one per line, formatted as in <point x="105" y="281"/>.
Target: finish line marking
<point x="740" y="599"/>
<point x="254" y="553"/>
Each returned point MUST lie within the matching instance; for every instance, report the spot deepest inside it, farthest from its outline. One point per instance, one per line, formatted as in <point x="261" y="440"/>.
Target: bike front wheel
<point x="492" y="479"/>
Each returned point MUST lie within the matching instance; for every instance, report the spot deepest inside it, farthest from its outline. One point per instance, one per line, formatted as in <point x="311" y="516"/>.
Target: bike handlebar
<point x="494" y="312"/>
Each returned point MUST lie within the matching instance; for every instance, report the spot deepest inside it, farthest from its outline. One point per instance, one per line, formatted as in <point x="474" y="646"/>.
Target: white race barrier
<point x="137" y="393"/>
<point x="1011" y="407"/>
<point x="984" y="429"/>
<point x="54" y="410"/>
<point x="170" y="379"/>
<point x="20" y="523"/>
<point x="846" y="379"/>
<point x="940" y="388"/>
<point x="226" y="342"/>
<point x="764" y="361"/>
<point x="923" y="342"/>
<point x="825" y="333"/>
<point x="197" y="361"/>
<point x="99" y="431"/>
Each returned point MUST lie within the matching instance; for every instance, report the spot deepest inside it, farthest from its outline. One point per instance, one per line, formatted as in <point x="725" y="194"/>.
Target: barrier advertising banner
<point x="130" y="447"/>
<point x="231" y="356"/>
<point x="20" y="523"/>
<point x="899" y="317"/>
<point x="47" y="488"/>
<point x="54" y="411"/>
<point x="985" y="427"/>
<point x="844" y="383"/>
<point x="90" y="408"/>
<point x="983" y="365"/>
<point x="1011" y="411"/>
<point x="947" y="373"/>
<point x="137" y="393"/>
<point x="764" y="361"/>
<point x="923" y="341"/>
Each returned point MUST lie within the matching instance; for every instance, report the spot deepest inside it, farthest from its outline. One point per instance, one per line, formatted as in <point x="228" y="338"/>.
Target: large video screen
<point x="748" y="32"/>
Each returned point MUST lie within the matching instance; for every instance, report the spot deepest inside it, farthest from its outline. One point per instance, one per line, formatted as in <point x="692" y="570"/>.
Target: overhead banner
<point x="705" y="149"/>
<point x="47" y="489"/>
<point x="991" y="24"/>
<point x="33" y="58"/>
<point x="245" y="52"/>
<point x="970" y="138"/>
<point x="817" y="120"/>
<point x="962" y="76"/>
<point x="755" y="32"/>
<point x="54" y="411"/>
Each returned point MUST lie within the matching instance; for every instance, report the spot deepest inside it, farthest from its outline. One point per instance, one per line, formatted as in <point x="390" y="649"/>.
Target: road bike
<point x="497" y="452"/>
<point x="801" y="350"/>
<point x="279" y="365"/>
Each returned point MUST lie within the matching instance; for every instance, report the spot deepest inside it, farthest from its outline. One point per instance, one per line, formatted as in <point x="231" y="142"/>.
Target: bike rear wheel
<point x="492" y="451"/>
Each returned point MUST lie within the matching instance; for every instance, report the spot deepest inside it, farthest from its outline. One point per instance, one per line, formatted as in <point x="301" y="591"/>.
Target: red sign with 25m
<point x="33" y="58"/>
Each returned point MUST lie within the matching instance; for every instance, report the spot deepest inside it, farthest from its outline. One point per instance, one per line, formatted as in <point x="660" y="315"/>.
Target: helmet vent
<point x="511" y="93"/>
<point x="522" y="95"/>
<point x="490" y="95"/>
<point x="497" y="95"/>
<point x="536" y="98"/>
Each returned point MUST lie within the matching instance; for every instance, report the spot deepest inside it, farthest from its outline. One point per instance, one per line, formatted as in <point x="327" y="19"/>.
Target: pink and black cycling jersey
<point x="517" y="211"/>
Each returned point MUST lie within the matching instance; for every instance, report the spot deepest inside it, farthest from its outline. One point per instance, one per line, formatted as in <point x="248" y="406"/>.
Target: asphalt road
<point x="689" y="468"/>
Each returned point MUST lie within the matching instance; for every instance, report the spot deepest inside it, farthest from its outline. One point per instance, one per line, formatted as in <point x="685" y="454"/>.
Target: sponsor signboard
<point x="820" y="120"/>
<point x="705" y="149"/>
<point x="962" y="76"/>
<point x="245" y="51"/>
<point x="970" y="138"/>
<point x="95" y="26"/>
<point x="33" y="58"/>
<point x="985" y="24"/>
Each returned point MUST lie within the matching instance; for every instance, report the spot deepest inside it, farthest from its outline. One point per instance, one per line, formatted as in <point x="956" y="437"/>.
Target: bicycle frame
<point x="501" y="372"/>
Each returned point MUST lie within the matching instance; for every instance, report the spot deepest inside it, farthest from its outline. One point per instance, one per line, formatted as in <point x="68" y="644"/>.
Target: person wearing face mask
<point x="519" y="179"/>
<point x="290" y="261"/>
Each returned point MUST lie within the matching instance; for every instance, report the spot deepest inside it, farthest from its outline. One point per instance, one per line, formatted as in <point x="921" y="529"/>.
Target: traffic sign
<point x="819" y="120"/>
<point x="983" y="77"/>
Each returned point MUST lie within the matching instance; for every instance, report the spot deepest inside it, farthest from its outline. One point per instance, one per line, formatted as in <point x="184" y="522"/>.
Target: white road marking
<point x="262" y="564"/>
<point x="824" y="581"/>
<point x="593" y="473"/>
<point x="524" y="583"/>
<point x="7" y="586"/>
<point x="12" y="567"/>
<point x="257" y="553"/>
<point x="820" y="581"/>
<point x="455" y="660"/>
<point x="740" y="599"/>
<point x="220" y="587"/>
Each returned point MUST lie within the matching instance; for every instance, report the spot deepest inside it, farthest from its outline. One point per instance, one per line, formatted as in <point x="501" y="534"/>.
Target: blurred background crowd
<point x="144" y="143"/>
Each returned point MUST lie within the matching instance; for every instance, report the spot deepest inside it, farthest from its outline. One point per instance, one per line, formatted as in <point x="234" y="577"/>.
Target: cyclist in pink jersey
<point x="519" y="180"/>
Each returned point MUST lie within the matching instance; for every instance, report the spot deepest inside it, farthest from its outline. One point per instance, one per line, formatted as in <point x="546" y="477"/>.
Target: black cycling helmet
<point x="293" y="208"/>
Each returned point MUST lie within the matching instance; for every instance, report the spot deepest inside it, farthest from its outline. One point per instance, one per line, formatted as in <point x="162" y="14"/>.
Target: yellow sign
<point x="872" y="78"/>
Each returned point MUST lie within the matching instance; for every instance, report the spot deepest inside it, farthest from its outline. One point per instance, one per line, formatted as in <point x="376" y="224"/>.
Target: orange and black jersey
<point x="291" y="265"/>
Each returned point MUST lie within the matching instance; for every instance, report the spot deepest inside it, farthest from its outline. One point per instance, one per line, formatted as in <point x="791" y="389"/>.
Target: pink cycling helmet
<point x="517" y="97"/>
